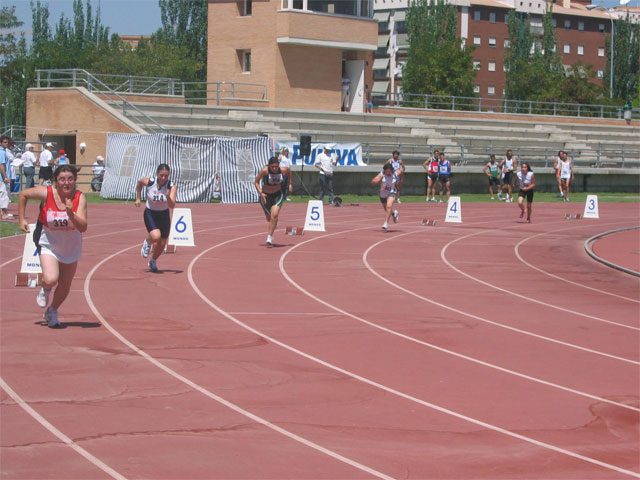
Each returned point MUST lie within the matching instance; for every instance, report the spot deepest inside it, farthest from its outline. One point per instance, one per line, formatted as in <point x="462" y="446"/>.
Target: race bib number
<point x="59" y="221"/>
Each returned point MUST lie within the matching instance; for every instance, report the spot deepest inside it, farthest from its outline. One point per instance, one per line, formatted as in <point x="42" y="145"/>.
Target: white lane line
<point x="485" y="320"/>
<point x="443" y="255"/>
<point x="384" y="387"/>
<point x="426" y="344"/>
<point x="203" y="390"/>
<point x="517" y="250"/>
<point x="66" y="440"/>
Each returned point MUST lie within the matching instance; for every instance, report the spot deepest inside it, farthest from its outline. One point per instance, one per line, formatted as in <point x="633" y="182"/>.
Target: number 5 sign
<point x="314" y="221"/>
<point x="181" y="228"/>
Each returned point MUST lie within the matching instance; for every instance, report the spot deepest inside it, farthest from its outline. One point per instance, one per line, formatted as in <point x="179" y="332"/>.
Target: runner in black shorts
<point x="272" y="184"/>
<point x="527" y="182"/>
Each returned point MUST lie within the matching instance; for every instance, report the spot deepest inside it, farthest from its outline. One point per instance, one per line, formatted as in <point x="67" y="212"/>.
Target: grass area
<point x="11" y="228"/>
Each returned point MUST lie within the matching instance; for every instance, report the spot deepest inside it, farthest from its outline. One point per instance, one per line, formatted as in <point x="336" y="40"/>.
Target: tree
<point x="13" y="50"/>
<point x="184" y="24"/>
<point x="626" y="60"/>
<point x="438" y="62"/>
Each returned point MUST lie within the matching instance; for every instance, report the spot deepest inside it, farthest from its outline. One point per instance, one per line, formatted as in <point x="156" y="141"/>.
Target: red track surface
<point x="490" y="349"/>
<point x="620" y="248"/>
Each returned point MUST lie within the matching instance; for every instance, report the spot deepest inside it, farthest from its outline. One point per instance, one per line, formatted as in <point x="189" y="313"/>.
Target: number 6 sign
<point x="181" y="228"/>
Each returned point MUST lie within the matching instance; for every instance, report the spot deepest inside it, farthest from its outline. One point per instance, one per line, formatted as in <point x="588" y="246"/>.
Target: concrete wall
<point x="55" y="113"/>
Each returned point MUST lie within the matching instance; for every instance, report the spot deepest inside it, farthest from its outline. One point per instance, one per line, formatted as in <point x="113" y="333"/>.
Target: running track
<point x="490" y="349"/>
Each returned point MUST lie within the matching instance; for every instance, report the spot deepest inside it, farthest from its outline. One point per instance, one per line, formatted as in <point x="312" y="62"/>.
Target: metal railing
<point x="497" y="105"/>
<point x="81" y="78"/>
<point x="204" y="92"/>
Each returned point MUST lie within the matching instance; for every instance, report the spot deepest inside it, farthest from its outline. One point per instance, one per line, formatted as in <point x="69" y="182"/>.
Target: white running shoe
<point x="269" y="240"/>
<point x="395" y="216"/>
<point x="51" y="317"/>
<point x="146" y="248"/>
<point x="499" y="196"/>
<point x="385" y="226"/>
<point x="153" y="265"/>
<point x="43" y="297"/>
<point x="434" y="199"/>
<point x="426" y="199"/>
<point x="398" y="201"/>
<point x="492" y="198"/>
<point x="440" y="201"/>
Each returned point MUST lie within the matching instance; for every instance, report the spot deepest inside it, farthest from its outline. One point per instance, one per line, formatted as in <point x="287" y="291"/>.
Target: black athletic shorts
<point x="45" y="173"/>
<point x="494" y="181"/>
<point x="507" y="178"/>
<point x="528" y="195"/>
<point x="443" y="178"/>
<point x="273" y="199"/>
<point x="158" y="220"/>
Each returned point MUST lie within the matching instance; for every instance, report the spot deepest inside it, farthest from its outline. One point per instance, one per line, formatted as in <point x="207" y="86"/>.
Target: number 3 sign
<point x="181" y="228"/>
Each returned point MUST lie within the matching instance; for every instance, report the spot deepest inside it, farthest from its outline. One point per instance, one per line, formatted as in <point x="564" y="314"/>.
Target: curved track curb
<point x="587" y="247"/>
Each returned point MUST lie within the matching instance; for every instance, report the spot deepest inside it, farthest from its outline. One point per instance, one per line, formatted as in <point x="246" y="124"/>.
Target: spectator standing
<point x="566" y="175"/>
<point x="444" y="176"/>
<point x="431" y="166"/>
<point x="62" y="159"/>
<point x="508" y="165"/>
<point x="556" y="168"/>
<point x="398" y="169"/>
<point x="285" y="162"/>
<point x="46" y="164"/>
<point x="325" y="163"/>
<point x="369" y="100"/>
<point x="346" y="93"/>
<point x="28" y="166"/>
<point x="5" y="181"/>
<point x="98" y="166"/>
<point x="492" y="170"/>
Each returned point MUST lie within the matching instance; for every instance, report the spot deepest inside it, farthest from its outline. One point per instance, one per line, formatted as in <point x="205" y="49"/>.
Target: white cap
<point x="100" y="158"/>
<point x="28" y="146"/>
<point x="327" y="146"/>
<point x="49" y="145"/>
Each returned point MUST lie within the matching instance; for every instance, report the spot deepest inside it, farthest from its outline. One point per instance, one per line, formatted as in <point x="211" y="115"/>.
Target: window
<point x="476" y="15"/>
<point x="567" y="48"/>
<point x="507" y="43"/>
<point x="506" y="18"/>
<point x="567" y="24"/>
<point x="601" y="27"/>
<point x="600" y="52"/>
<point x="476" y="65"/>
<point x="476" y="40"/>
<point x="381" y="73"/>
<point x="581" y="26"/>
<point x="128" y="161"/>
<point x="245" y="8"/>
<point x="245" y="60"/>
<point x="492" y="66"/>
<point x="492" y="17"/>
<point x="491" y="90"/>
<point x="554" y="22"/>
<point x="476" y="88"/>
<point x="189" y="164"/>
<point x="580" y="49"/>
<point x="383" y="26"/>
<point x="492" y="42"/>
<point x="600" y="73"/>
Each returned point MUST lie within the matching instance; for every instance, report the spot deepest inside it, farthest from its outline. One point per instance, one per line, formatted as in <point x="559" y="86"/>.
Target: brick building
<point x="580" y="35"/>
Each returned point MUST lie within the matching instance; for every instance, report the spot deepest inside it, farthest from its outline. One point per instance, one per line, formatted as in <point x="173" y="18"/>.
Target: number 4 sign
<point x="314" y="221"/>
<point x="181" y="228"/>
<point x="591" y="207"/>
<point x="454" y="210"/>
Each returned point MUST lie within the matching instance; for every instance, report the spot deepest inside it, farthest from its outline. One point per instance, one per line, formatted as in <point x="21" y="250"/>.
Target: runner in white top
<point x="388" y="181"/>
<point x="161" y="198"/>
<point x="556" y="168"/>
<point x="566" y="175"/>
<point x="527" y="182"/>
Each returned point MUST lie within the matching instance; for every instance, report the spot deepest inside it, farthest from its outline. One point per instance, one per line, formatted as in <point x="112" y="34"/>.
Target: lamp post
<point x="591" y="7"/>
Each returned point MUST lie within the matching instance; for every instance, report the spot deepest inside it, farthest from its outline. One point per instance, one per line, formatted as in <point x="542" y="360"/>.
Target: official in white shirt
<point x="325" y="163"/>
<point x="28" y="166"/>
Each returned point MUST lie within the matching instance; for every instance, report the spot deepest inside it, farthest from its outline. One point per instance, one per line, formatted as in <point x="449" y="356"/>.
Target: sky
<point x="126" y="17"/>
<point x="136" y="17"/>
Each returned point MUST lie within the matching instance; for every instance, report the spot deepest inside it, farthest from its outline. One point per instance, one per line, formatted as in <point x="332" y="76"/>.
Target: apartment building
<point x="580" y="35"/>
<point x="298" y="50"/>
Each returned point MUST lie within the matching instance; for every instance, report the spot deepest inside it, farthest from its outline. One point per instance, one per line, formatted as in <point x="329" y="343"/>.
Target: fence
<point x="497" y="105"/>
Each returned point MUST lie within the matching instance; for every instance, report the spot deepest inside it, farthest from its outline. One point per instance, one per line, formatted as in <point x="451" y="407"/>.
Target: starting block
<point x="428" y="222"/>
<point x="31" y="280"/>
<point x="569" y="216"/>
<point x="294" y="230"/>
<point x="170" y="248"/>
